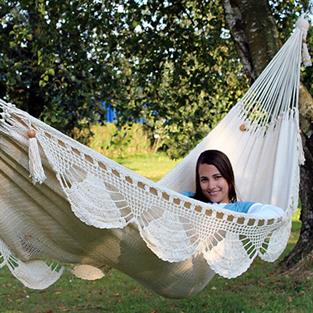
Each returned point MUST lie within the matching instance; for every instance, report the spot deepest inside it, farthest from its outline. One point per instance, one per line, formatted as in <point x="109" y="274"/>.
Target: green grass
<point x="260" y="289"/>
<point x="153" y="166"/>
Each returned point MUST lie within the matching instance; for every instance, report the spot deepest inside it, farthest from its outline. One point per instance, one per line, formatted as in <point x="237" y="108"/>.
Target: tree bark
<point x="254" y="31"/>
<point x="256" y="36"/>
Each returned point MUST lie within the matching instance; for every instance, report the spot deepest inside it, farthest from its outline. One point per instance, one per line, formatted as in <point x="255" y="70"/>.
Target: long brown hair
<point x="222" y="163"/>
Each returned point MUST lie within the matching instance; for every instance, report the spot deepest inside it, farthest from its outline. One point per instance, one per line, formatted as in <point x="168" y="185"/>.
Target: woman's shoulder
<point x="188" y="193"/>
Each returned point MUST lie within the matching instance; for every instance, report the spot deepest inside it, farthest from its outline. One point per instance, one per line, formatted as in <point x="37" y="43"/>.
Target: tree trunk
<point x="256" y="36"/>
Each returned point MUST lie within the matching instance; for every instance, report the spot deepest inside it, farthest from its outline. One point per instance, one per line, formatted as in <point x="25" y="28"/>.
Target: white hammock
<point x="91" y="210"/>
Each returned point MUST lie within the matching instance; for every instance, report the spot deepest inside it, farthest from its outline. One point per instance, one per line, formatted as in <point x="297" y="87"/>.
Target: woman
<point x="215" y="183"/>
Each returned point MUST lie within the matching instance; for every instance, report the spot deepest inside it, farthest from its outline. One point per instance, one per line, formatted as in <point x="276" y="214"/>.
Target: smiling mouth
<point x="213" y="192"/>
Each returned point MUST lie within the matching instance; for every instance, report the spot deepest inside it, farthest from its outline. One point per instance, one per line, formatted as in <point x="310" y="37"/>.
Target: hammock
<point x="82" y="208"/>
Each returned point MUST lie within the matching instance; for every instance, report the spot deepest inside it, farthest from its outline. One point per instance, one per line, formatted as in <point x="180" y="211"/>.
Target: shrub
<point x="119" y="142"/>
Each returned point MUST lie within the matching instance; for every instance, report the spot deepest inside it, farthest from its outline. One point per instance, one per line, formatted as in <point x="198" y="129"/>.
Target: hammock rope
<point x="80" y="207"/>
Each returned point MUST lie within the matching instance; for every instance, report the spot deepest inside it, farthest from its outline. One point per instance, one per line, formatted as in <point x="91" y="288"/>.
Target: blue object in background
<point x="111" y="114"/>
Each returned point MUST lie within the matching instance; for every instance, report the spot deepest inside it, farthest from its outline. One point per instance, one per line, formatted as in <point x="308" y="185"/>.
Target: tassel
<point x="306" y="58"/>
<point x="301" y="157"/>
<point x="35" y="166"/>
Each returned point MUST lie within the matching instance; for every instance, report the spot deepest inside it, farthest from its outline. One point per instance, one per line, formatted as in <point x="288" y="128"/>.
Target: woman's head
<point x="215" y="180"/>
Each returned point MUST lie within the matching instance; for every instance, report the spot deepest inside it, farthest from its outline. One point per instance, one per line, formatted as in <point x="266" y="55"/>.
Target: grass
<point x="260" y="289"/>
<point x="153" y="166"/>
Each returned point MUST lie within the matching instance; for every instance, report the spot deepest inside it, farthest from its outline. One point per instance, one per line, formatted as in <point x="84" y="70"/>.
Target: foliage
<point x="118" y="142"/>
<point x="182" y="70"/>
<point x="307" y="75"/>
<point x="171" y="62"/>
<point x="286" y="13"/>
<point x="53" y="60"/>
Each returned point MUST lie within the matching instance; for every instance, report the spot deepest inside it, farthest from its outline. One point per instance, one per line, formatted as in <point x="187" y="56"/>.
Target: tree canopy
<point x="56" y="59"/>
<point x="173" y="63"/>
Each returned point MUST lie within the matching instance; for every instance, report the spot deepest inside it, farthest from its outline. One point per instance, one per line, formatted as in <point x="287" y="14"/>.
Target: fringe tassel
<point x="306" y="58"/>
<point x="301" y="157"/>
<point x="35" y="165"/>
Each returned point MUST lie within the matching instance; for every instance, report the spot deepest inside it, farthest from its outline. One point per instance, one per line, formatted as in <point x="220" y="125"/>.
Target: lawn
<point x="260" y="289"/>
<point x="153" y="166"/>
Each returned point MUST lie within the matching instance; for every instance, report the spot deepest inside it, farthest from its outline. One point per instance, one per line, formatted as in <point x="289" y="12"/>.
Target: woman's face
<point x="213" y="185"/>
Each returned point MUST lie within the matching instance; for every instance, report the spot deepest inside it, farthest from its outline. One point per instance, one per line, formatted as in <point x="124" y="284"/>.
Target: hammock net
<point x="82" y="208"/>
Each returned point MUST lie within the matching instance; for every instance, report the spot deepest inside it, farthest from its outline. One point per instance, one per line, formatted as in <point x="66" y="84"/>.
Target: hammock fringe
<point x="35" y="165"/>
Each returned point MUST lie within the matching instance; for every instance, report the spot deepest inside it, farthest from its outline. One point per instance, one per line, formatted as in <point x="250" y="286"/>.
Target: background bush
<point x="116" y="142"/>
